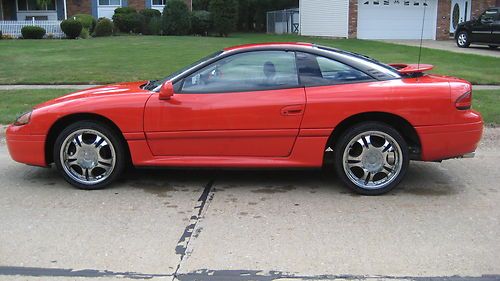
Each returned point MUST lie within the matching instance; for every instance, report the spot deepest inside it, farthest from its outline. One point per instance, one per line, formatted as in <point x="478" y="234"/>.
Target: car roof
<point x="269" y="44"/>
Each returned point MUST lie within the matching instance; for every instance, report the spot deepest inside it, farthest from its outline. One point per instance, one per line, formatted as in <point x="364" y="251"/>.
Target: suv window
<point x="250" y="71"/>
<point x="489" y="15"/>
<point x="319" y="71"/>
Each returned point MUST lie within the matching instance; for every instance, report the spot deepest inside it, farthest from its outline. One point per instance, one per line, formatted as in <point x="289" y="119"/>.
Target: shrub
<point x="88" y="22"/>
<point x="148" y="15"/>
<point x="127" y="20"/>
<point x="32" y="32"/>
<point x="154" y="26"/>
<point x="175" y="18"/>
<point x="104" y="27"/>
<point x="1" y="35"/>
<point x="200" y="5"/>
<point x="224" y="15"/>
<point x="125" y="10"/>
<point x="201" y="22"/>
<point x="133" y="22"/>
<point x="84" y="34"/>
<point x="71" y="28"/>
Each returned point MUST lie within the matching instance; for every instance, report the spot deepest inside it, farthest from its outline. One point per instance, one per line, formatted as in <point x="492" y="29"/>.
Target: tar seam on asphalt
<point x="200" y="209"/>
<point x="68" y="272"/>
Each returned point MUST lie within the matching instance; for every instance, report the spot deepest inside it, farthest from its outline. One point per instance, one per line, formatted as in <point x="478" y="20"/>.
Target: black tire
<point x="463" y="40"/>
<point x="354" y="132"/>
<point x="109" y="133"/>
<point x="492" y="46"/>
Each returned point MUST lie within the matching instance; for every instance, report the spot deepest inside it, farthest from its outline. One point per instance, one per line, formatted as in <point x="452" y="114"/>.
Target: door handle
<point x="292" y="110"/>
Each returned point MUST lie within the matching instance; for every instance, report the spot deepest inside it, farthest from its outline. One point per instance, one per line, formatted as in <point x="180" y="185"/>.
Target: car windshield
<point x="151" y="85"/>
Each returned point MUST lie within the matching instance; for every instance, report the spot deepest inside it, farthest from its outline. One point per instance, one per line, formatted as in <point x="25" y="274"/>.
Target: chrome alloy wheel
<point x="87" y="156"/>
<point x="462" y="39"/>
<point x="372" y="160"/>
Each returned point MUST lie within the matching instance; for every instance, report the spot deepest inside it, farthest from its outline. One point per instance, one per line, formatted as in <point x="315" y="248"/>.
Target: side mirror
<point x="166" y="91"/>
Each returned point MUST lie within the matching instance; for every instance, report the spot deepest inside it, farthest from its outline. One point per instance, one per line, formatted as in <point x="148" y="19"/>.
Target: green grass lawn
<point x="128" y="58"/>
<point x="15" y="102"/>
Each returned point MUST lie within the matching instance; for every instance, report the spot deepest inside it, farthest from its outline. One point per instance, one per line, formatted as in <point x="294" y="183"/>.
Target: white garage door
<point x="396" y="19"/>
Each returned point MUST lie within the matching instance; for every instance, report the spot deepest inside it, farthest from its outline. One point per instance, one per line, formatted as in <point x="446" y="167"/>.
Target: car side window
<point x="250" y="71"/>
<point x="320" y="71"/>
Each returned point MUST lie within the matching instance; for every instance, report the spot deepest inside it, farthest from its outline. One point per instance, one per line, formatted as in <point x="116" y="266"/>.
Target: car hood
<point x="107" y="90"/>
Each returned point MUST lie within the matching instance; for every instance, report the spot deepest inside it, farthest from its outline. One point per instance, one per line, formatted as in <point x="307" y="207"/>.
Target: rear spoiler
<point x="411" y="69"/>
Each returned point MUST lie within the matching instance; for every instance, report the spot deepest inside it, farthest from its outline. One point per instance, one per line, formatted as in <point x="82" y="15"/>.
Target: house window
<point x="32" y="5"/>
<point x="158" y="2"/>
<point x="110" y="3"/>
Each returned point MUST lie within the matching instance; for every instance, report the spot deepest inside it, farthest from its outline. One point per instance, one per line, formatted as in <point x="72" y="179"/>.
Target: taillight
<point x="464" y="101"/>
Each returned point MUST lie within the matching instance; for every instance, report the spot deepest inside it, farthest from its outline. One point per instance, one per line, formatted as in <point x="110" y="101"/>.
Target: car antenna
<point x="421" y="36"/>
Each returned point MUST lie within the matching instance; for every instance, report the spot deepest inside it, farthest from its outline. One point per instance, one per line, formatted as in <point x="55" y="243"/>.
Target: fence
<point x="284" y="21"/>
<point x="13" y="28"/>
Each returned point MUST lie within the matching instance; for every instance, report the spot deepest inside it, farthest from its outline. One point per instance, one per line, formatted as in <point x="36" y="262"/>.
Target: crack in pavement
<point x="68" y="272"/>
<point x="189" y="232"/>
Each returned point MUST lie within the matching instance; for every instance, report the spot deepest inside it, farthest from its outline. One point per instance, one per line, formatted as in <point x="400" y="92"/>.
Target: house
<point x="387" y="19"/>
<point x="61" y="9"/>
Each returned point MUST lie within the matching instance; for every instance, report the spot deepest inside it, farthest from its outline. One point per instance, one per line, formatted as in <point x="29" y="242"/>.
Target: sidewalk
<point x="449" y="45"/>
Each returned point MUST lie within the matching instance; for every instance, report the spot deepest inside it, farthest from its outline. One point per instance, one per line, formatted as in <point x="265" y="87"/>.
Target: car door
<point x="245" y="104"/>
<point x="482" y="27"/>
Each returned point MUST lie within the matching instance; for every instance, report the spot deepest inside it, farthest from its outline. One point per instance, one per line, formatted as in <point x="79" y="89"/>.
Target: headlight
<point x="23" y="119"/>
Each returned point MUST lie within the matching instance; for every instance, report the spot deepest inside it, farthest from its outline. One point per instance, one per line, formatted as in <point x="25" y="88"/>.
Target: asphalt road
<point x="442" y="223"/>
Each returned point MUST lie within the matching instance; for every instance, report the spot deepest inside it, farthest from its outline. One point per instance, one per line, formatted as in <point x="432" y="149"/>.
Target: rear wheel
<point x="89" y="155"/>
<point x="371" y="158"/>
<point x="463" y="39"/>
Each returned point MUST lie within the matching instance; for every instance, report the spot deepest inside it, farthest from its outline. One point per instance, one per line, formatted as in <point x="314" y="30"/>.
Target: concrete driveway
<point x="442" y="223"/>
<point x="449" y="45"/>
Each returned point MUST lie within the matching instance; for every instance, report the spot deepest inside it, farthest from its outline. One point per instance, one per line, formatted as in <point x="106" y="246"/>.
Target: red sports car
<point x="260" y="106"/>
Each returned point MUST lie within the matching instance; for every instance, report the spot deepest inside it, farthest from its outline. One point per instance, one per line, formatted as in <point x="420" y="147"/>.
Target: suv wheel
<point x="463" y="39"/>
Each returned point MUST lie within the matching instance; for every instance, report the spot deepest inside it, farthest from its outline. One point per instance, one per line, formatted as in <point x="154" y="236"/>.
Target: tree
<point x="176" y="19"/>
<point x="225" y="16"/>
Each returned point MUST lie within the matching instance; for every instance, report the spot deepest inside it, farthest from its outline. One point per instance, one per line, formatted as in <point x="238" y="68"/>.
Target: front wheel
<point x="89" y="155"/>
<point x="463" y="39"/>
<point x="371" y="158"/>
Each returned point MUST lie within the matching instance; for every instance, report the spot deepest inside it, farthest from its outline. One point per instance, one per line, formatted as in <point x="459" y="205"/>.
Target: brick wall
<point x="136" y="4"/>
<point x="443" y="20"/>
<point x="79" y="7"/>
<point x="353" y="19"/>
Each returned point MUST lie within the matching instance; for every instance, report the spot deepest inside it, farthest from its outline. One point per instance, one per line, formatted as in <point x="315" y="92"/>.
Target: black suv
<point x="483" y="30"/>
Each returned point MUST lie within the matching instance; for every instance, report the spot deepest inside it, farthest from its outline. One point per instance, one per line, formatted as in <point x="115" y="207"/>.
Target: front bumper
<point x="24" y="147"/>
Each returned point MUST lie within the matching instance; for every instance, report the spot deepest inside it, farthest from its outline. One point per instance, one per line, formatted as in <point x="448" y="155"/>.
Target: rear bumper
<point x="450" y="141"/>
<point x="26" y="148"/>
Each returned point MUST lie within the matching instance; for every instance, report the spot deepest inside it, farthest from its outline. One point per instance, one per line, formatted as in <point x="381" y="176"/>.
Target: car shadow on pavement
<point x="422" y="179"/>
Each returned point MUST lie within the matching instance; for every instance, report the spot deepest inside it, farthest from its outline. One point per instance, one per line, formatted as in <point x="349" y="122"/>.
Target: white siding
<point x="106" y="11"/>
<point x="324" y="17"/>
